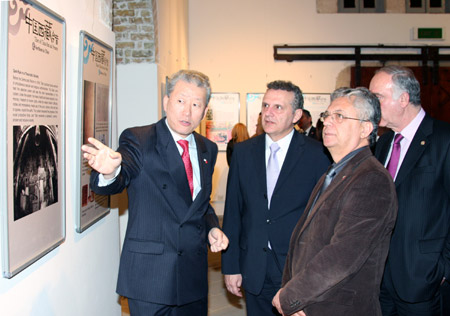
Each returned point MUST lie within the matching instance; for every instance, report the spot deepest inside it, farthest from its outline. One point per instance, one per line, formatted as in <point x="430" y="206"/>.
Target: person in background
<point x="166" y="168"/>
<point x="417" y="154"/>
<point x="269" y="182"/>
<point x="319" y="128"/>
<point x="305" y="124"/>
<point x="259" y="127"/>
<point x="239" y="133"/>
<point x="339" y="246"/>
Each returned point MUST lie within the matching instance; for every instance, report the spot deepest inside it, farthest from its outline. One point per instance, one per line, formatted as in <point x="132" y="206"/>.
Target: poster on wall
<point x="316" y="103"/>
<point x="95" y="95"/>
<point x="254" y="103"/>
<point x="33" y="76"/>
<point x="222" y="115"/>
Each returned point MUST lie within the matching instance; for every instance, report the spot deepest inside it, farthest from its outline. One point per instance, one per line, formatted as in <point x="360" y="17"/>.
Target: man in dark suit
<point x="262" y="206"/>
<point x="167" y="169"/>
<point x="305" y="124"/>
<point x="418" y="266"/>
<point x="339" y="246"/>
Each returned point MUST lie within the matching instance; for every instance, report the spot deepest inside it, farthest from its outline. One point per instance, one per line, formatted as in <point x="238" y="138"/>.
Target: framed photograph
<point x="316" y="103"/>
<point x="32" y="74"/>
<point x="95" y="91"/>
<point x="222" y="115"/>
<point x="254" y="103"/>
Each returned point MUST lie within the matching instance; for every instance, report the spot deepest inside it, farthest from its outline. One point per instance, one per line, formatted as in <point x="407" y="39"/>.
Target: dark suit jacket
<point x="419" y="254"/>
<point x="312" y="133"/>
<point x="337" y="253"/>
<point x="248" y="222"/>
<point x="164" y="255"/>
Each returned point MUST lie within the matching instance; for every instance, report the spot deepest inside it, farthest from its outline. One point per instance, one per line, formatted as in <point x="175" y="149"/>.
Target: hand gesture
<point x="102" y="158"/>
<point x="217" y="239"/>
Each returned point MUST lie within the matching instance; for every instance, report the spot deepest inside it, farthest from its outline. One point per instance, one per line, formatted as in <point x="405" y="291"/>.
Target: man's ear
<point x="165" y="102"/>
<point x="366" y="129"/>
<point x="404" y="99"/>
<point x="297" y="116"/>
<point x="205" y="111"/>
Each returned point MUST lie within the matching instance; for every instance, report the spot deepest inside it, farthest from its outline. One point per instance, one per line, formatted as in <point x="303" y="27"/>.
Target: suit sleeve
<point x="444" y="260"/>
<point x="129" y="148"/>
<point x="211" y="218"/>
<point x="232" y="217"/>
<point x="367" y="215"/>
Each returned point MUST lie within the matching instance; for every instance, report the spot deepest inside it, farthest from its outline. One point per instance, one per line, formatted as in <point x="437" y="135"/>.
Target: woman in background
<point x="239" y="133"/>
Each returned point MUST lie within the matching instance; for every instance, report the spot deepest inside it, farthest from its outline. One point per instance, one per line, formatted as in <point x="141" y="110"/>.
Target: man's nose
<point x="187" y="108"/>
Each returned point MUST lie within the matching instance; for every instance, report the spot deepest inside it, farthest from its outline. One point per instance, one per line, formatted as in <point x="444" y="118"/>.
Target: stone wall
<point x="134" y="23"/>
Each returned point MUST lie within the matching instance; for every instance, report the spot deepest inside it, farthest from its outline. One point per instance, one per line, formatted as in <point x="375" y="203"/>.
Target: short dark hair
<point x="366" y="103"/>
<point x="191" y="76"/>
<point x="404" y="81"/>
<point x="306" y="112"/>
<point x="290" y="87"/>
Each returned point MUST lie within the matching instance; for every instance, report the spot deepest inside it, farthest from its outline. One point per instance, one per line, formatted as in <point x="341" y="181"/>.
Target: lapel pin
<point x="206" y="161"/>
<point x="422" y="142"/>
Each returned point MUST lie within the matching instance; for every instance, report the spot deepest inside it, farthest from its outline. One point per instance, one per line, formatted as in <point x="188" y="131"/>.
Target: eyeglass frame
<point x="338" y="117"/>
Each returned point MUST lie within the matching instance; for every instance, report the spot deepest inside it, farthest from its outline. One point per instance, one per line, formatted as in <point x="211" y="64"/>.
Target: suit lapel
<point x="418" y="145"/>
<point x="170" y="155"/>
<point x="384" y="147"/>
<point x="291" y="161"/>
<point x="203" y="157"/>
<point x="340" y="179"/>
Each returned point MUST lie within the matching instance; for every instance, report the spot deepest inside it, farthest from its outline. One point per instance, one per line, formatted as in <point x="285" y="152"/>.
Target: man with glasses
<point x="339" y="246"/>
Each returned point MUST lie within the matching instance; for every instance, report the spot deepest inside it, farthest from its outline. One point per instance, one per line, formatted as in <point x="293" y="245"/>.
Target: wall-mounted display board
<point x="316" y="103"/>
<point x="95" y="105"/>
<point x="32" y="74"/>
<point x="254" y="103"/>
<point x="221" y="116"/>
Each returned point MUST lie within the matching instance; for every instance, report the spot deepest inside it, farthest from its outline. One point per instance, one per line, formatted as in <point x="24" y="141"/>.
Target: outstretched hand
<point x="102" y="158"/>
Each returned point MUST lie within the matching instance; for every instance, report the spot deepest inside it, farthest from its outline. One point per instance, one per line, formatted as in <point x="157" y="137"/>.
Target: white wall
<point x="141" y="87"/>
<point x="78" y="277"/>
<point x="232" y="42"/>
<point x="137" y="104"/>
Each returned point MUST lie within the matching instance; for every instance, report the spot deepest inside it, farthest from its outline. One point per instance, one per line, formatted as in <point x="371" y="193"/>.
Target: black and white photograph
<point x="35" y="168"/>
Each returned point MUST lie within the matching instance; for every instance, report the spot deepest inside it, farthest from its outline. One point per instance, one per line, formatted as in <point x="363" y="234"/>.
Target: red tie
<point x="187" y="163"/>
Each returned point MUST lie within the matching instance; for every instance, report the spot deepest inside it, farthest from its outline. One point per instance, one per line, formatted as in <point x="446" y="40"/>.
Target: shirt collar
<point x="343" y="162"/>
<point x="283" y="143"/>
<point x="410" y="130"/>
<point x="176" y="137"/>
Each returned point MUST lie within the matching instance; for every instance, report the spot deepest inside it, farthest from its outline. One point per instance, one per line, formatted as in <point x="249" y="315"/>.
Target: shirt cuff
<point x="102" y="182"/>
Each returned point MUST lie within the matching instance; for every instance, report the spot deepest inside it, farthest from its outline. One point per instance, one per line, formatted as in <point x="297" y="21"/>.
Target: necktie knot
<point x="398" y="138"/>
<point x="330" y="174"/>
<point x="274" y="148"/>
<point x="184" y="144"/>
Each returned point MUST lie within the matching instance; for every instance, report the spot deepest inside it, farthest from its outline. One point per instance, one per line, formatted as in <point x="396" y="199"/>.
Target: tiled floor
<point x="220" y="302"/>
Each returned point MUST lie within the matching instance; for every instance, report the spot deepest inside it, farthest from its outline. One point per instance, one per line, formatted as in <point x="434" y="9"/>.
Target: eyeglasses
<point x="338" y="117"/>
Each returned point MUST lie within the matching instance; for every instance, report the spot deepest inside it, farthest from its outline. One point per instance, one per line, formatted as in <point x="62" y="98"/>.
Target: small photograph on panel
<point x="35" y="168"/>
